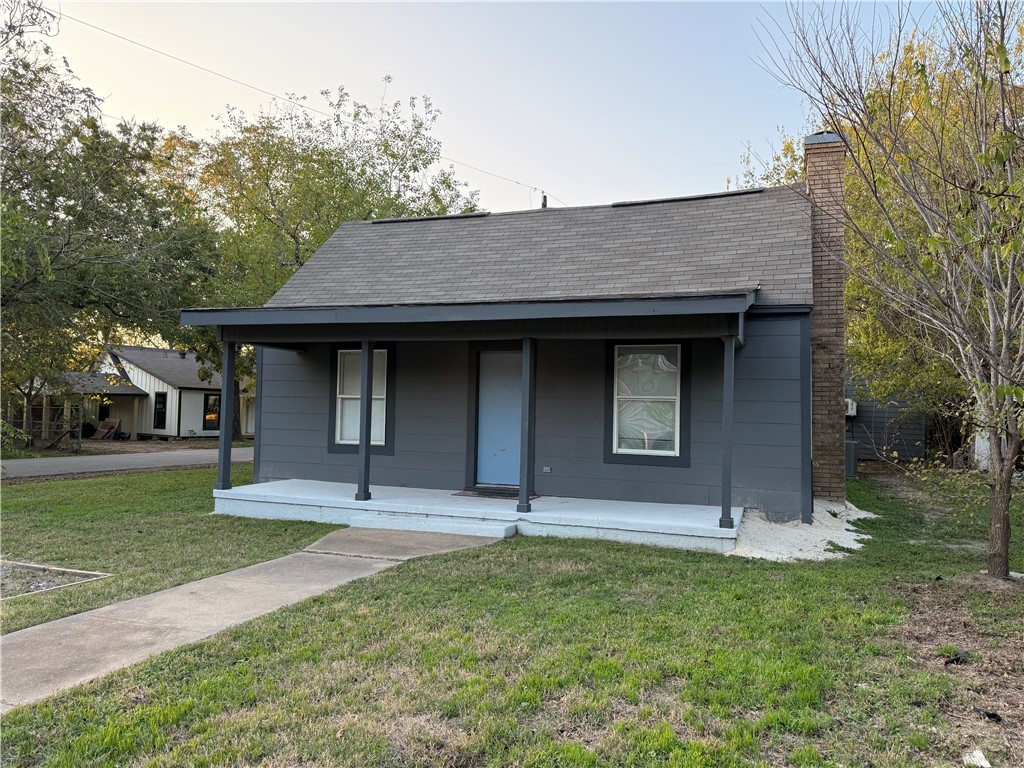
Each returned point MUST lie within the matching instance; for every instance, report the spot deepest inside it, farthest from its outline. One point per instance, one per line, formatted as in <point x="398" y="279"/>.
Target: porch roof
<point x="723" y="303"/>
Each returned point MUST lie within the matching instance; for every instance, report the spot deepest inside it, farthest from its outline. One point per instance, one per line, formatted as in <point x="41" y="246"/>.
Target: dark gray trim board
<point x="728" y="404"/>
<point x="729" y="303"/>
<point x="227" y="417"/>
<point x="365" y="415"/>
<point x="528" y="433"/>
<point x="806" y="454"/>
<point x="656" y="326"/>
<point x="258" y="405"/>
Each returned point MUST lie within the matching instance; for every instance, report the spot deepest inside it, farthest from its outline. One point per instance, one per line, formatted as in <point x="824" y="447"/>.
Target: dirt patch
<point x="24" y="578"/>
<point x="944" y="636"/>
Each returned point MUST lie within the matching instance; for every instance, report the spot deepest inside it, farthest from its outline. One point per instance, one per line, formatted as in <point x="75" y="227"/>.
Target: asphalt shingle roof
<point x="97" y="383"/>
<point x="688" y="246"/>
<point x="167" y="365"/>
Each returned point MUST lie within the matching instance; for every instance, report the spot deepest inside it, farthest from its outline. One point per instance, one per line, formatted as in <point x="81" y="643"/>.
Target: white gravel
<point x="787" y="542"/>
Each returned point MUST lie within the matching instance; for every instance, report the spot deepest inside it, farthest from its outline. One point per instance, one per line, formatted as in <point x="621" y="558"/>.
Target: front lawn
<point x="151" y="530"/>
<point x="543" y="652"/>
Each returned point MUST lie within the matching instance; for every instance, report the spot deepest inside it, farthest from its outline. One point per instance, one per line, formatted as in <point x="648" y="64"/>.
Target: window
<point x="160" y="410"/>
<point x="349" y="387"/>
<point x="646" y="400"/>
<point x="211" y="413"/>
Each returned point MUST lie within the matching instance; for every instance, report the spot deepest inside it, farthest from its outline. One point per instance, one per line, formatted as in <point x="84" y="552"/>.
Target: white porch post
<point x="728" y="376"/>
<point x="365" y="420"/>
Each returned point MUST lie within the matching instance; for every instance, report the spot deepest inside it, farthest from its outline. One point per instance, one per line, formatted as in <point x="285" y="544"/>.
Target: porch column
<point x="135" y="418"/>
<point x="728" y="375"/>
<point x="365" y="414"/>
<point x="227" y="416"/>
<point x="526" y="437"/>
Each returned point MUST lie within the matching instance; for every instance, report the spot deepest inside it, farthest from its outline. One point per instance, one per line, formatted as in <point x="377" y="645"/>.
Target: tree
<point x="932" y="118"/>
<point x="883" y="352"/>
<point x="92" y="245"/>
<point x="282" y="182"/>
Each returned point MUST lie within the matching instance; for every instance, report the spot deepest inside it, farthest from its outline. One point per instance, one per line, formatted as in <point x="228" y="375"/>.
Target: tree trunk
<point x="1001" y="468"/>
<point x="26" y="422"/>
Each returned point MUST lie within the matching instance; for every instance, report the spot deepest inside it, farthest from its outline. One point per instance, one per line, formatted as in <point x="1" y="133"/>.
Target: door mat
<point x="497" y="493"/>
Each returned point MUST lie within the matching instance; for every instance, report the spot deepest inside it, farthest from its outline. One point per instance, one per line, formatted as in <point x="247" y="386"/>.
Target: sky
<point x="591" y="102"/>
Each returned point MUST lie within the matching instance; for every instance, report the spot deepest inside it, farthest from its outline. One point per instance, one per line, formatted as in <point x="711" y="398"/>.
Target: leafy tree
<point x="91" y="242"/>
<point x="281" y="182"/>
<point x="883" y="351"/>
<point x="932" y="117"/>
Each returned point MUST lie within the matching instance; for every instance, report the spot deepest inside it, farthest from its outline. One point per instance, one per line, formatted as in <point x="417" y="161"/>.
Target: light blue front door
<point x="499" y="406"/>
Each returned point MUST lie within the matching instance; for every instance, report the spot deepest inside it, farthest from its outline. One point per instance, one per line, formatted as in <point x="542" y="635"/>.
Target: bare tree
<point x="931" y="110"/>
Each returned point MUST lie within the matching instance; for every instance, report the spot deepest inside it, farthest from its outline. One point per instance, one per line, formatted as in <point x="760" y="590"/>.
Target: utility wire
<point x="286" y="99"/>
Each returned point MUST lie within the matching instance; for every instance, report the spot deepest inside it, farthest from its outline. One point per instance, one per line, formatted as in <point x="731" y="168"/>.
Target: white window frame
<point x="340" y="397"/>
<point x="617" y="398"/>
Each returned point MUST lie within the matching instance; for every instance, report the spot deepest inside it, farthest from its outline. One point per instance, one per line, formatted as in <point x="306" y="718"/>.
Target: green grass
<point x="543" y="652"/>
<point x="151" y="530"/>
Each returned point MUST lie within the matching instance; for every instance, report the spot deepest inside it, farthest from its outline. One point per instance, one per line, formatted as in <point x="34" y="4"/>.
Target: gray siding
<point x="431" y="391"/>
<point x="432" y="396"/>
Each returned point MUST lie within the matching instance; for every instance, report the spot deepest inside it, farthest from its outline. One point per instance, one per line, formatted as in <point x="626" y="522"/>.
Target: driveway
<point x="116" y="462"/>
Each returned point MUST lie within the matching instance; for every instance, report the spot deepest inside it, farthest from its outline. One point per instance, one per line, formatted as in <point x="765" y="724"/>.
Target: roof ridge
<point x="527" y="211"/>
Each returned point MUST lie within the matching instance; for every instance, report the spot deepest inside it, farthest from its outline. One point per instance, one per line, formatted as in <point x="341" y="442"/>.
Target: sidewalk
<point x="42" y="660"/>
<point x="116" y="462"/>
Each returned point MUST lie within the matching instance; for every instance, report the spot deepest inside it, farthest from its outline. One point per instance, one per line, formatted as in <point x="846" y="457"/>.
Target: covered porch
<point x="567" y="477"/>
<point x="683" y="526"/>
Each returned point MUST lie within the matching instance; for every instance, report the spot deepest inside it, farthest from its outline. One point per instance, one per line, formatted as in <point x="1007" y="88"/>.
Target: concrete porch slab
<point x="393" y="544"/>
<point x="420" y="509"/>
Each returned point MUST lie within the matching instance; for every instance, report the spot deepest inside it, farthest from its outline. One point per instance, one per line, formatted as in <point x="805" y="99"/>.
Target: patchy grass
<point x="542" y="652"/>
<point x="150" y="530"/>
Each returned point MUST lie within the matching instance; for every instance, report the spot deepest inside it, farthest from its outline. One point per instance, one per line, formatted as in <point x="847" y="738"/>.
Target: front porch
<point x="681" y="526"/>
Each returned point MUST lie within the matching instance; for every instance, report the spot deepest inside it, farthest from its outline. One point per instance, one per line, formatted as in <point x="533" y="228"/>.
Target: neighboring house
<point x="111" y="396"/>
<point x="107" y="395"/>
<point x="639" y="371"/>
<point x="177" y="402"/>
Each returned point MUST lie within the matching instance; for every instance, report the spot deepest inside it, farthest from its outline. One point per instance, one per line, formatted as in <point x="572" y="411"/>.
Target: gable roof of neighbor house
<point x="179" y="369"/>
<point x="699" y="246"/>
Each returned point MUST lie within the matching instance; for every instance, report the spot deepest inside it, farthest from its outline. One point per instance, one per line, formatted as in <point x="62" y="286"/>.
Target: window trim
<point x="388" y="448"/>
<point x="681" y="458"/>
<point x="206" y="410"/>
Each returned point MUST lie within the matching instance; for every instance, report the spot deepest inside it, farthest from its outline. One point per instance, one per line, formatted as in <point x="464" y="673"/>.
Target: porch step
<point x="495" y="529"/>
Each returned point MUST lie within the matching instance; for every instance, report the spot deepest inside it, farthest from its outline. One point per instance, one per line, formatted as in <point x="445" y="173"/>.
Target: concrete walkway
<point x="117" y="462"/>
<point x="42" y="660"/>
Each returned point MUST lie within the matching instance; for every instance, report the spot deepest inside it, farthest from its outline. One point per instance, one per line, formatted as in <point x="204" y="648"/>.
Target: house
<point x="176" y="401"/>
<point x="641" y="371"/>
<point x="58" y="415"/>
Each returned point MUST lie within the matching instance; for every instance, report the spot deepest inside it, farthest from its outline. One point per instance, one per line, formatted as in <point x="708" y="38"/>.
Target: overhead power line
<point x="285" y="99"/>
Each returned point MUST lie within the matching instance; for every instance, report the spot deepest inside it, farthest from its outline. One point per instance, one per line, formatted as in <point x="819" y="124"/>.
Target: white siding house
<point x="178" y="403"/>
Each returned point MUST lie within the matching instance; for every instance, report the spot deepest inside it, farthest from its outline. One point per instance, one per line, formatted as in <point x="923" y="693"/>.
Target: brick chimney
<point x="824" y="161"/>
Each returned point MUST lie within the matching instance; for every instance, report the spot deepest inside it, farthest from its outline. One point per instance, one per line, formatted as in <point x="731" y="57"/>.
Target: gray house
<point x="640" y="371"/>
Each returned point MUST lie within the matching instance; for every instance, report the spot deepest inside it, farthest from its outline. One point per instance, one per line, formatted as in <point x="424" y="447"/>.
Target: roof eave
<point x="720" y="303"/>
